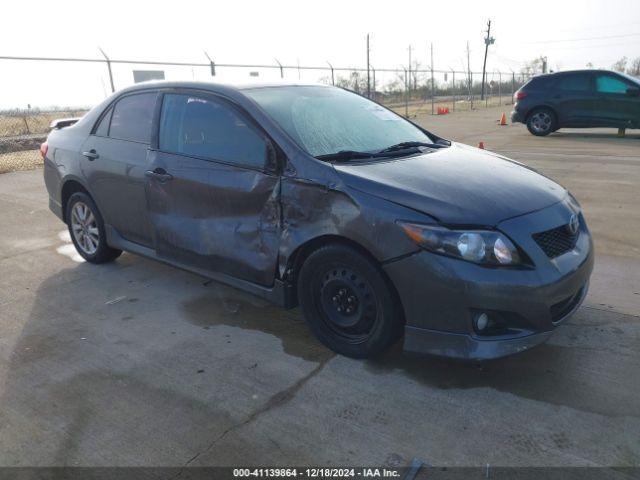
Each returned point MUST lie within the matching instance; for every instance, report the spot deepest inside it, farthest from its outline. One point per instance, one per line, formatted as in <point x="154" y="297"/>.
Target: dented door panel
<point x="214" y="216"/>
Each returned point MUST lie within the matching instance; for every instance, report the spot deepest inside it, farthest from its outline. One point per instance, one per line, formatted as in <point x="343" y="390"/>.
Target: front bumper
<point x="441" y="295"/>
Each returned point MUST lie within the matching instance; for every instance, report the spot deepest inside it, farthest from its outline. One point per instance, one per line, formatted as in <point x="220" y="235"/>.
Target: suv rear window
<point x="538" y="83"/>
<point x="132" y="118"/>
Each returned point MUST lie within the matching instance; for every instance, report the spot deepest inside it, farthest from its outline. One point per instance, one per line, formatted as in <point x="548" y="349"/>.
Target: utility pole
<point x="433" y="85"/>
<point x="469" y="80"/>
<point x="409" y="72"/>
<point x="544" y="64"/>
<point x="488" y="40"/>
<point x="368" y="75"/>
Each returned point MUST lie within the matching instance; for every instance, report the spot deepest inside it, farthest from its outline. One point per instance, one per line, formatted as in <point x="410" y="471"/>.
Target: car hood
<point x="456" y="185"/>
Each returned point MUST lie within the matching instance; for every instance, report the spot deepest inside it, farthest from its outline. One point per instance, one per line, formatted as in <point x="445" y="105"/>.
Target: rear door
<point x="114" y="164"/>
<point x="613" y="105"/>
<point x="213" y="193"/>
<point x="573" y="99"/>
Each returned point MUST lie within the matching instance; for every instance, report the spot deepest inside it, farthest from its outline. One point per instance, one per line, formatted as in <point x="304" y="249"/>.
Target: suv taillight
<point x="44" y="148"/>
<point x="519" y="95"/>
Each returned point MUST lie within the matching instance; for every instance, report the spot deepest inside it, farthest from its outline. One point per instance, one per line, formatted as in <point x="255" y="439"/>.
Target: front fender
<point x="311" y="210"/>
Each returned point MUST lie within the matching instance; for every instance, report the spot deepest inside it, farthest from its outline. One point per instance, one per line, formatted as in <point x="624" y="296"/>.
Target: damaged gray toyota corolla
<point x="313" y="195"/>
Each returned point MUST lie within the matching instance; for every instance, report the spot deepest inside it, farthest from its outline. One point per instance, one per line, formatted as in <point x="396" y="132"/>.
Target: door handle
<point x="91" y="154"/>
<point x="159" y="174"/>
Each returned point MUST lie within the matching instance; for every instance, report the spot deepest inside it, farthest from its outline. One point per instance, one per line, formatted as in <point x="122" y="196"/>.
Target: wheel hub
<point x="347" y="302"/>
<point x="85" y="228"/>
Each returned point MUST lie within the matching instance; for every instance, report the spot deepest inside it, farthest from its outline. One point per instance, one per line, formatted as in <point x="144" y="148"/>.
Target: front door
<point x="114" y="161"/>
<point x="614" y="105"/>
<point x="213" y="200"/>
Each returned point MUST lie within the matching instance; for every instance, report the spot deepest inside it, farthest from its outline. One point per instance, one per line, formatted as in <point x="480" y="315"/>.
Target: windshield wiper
<point x="408" y="145"/>
<point x="346" y="155"/>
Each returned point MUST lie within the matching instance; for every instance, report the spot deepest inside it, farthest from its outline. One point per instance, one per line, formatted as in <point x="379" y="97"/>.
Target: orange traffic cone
<point x="503" y="119"/>
<point x="481" y="145"/>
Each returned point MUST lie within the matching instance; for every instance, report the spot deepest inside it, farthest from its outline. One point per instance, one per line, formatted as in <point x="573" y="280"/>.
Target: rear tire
<point x="86" y="228"/>
<point x="542" y="121"/>
<point x="348" y="303"/>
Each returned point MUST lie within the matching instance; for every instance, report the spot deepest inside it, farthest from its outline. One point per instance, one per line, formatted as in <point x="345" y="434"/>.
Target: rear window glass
<point x="577" y="83"/>
<point x="132" y="117"/>
<point x="539" y="82"/>
<point x="103" y="126"/>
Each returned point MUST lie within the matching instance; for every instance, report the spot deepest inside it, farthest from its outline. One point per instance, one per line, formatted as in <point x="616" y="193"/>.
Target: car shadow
<point x="590" y="135"/>
<point x="86" y="373"/>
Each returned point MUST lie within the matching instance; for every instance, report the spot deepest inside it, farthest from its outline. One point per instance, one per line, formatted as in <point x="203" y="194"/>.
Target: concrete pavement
<point x="137" y="363"/>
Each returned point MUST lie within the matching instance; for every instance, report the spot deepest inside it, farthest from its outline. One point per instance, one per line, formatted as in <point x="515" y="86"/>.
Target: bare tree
<point x="620" y="65"/>
<point x="355" y="82"/>
<point x="532" y="67"/>
<point x="634" y="67"/>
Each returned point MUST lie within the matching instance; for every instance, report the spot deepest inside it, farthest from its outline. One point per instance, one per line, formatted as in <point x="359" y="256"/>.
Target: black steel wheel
<point x="348" y="302"/>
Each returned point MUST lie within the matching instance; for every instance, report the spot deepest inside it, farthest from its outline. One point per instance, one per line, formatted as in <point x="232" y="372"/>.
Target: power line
<point x="584" y="39"/>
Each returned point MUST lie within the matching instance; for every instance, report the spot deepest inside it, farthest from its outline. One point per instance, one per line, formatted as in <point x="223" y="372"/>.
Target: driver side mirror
<point x="633" y="91"/>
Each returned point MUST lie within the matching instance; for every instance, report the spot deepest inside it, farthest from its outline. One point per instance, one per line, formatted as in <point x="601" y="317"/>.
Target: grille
<point x="556" y="241"/>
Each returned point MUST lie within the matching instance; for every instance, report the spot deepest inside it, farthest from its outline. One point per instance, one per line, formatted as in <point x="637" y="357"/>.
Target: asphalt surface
<point x="137" y="363"/>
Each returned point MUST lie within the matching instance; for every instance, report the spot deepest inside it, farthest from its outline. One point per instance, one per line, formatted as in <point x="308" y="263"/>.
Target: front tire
<point x="86" y="228"/>
<point x="541" y="122"/>
<point x="348" y="303"/>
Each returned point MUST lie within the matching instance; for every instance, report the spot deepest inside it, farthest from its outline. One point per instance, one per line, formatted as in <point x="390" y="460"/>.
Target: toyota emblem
<point x="574" y="224"/>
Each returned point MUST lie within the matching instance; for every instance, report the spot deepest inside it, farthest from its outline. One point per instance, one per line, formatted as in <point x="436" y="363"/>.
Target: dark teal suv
<point x="578" y="99"/>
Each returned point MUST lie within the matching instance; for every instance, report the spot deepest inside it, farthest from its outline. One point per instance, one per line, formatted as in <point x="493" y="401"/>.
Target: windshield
<point x="326" y="120"/>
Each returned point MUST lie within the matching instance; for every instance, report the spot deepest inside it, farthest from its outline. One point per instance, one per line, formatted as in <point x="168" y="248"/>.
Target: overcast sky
<point x="569" y="33"/>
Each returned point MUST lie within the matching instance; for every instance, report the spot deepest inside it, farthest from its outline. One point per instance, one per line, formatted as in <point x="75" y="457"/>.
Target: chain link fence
<point x="83" y="82"/>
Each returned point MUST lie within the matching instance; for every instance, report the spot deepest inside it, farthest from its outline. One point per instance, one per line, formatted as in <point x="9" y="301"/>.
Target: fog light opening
<point x="482" y="322"/>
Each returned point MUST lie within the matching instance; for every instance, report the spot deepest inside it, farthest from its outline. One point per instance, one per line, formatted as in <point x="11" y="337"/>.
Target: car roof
<point x="584" y="70"/>
<point x="217" y="86"/>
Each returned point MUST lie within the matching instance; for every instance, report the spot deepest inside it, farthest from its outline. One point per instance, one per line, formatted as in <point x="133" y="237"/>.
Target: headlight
<point x="478" y="246"/>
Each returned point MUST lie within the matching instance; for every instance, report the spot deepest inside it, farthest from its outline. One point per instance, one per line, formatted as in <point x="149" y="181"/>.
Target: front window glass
<point x="205" y="128"/>
<point x="611" y="84"/>
<point x="326" y="120"/>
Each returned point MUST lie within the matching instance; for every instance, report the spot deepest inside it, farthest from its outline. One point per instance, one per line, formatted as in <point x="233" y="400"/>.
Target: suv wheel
<point x="86" y="228"/>
<point x="541" y="122"/>
<point x="348" y="302"/>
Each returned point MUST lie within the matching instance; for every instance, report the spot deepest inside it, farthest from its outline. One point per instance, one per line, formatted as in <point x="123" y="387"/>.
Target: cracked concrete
<point x="137" y="363"/>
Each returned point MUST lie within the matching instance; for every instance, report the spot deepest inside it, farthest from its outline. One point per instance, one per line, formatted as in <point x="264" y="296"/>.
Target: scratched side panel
<point x="216" y="217"/>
